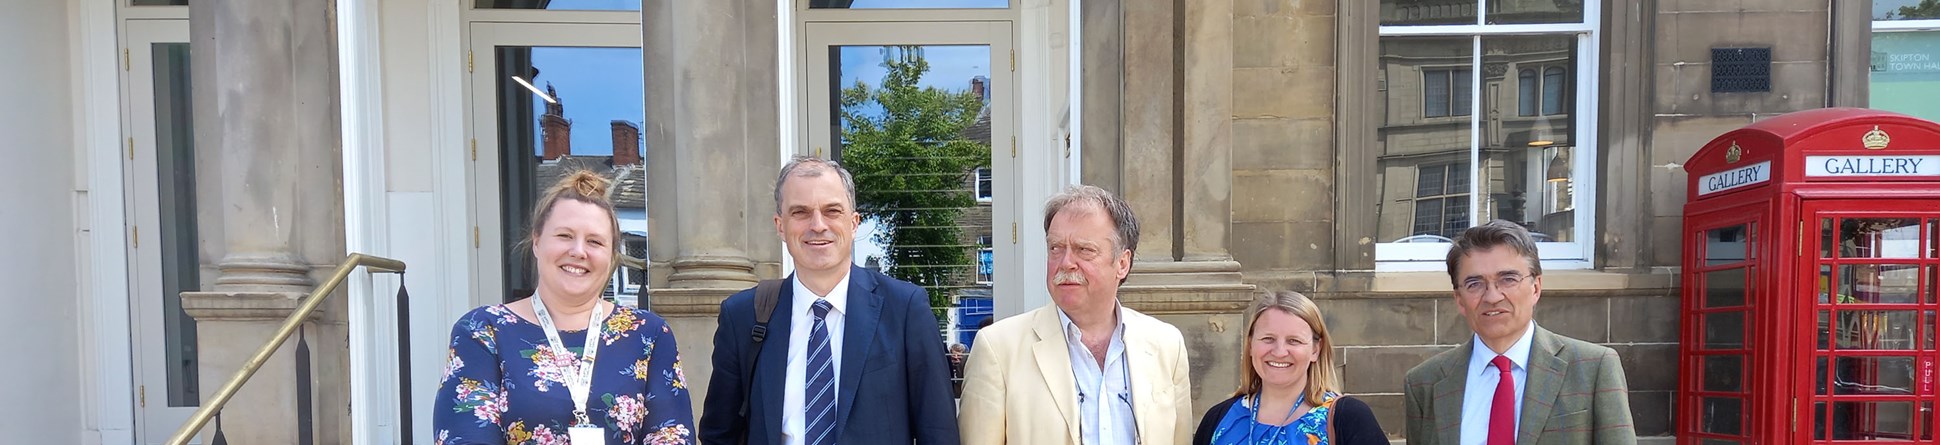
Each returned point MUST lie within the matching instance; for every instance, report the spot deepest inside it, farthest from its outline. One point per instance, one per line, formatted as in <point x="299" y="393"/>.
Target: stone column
<point x="712" y="151"/>
<point x="266" y="108"/>
<point x="1170" y="156"/>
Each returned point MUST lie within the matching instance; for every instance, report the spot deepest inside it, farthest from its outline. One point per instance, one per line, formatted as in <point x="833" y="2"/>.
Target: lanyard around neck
<point x="579" y="377"/>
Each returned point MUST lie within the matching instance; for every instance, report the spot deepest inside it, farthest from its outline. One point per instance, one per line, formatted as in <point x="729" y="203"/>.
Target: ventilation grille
<point x="1741" y="70"/>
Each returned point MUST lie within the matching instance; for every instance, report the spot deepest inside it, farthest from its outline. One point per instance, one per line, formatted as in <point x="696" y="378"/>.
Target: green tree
<point x="905" y="145"/>
<point x="1927" y="9"/>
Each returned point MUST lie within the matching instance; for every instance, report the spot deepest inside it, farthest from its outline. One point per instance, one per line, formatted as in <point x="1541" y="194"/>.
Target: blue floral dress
<point x="503" y="385"/>
<point x="1239" y="426"/>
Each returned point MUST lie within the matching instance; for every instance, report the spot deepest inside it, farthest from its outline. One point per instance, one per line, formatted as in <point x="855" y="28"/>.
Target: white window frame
<point x="1044" y="91"/>
<point x="1578" y="254"/>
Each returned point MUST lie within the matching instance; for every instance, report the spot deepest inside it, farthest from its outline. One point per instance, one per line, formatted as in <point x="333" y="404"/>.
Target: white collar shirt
<point x="1107" y="419"/>
<point x="802" y="320"/>
<point x="1479" y="394"/>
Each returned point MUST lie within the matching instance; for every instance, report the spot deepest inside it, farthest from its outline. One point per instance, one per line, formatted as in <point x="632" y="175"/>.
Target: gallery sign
<point x="1906" y="165"/>
<point x="1735" y="178"/>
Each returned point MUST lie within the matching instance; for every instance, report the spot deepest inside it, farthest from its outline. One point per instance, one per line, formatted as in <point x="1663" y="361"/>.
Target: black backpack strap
<point x="766" y="296"/>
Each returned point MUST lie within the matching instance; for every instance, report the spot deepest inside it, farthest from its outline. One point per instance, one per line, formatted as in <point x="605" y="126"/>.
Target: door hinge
<point x="135" y="235"/>
<point x="468" y="61"/>
<point x="1013" y="147"/>
<point x="1013" y="60"/>
<point x="1800" y="246"/>
<point x="474" y="149"/>
<point x="1795" y="414"/>
<point x="141" y="395"/>
<point x="474" y="237"/>
<point x="1013" y="232"/>
<point x="131" y="149"/>
<point x="127" y="64"/>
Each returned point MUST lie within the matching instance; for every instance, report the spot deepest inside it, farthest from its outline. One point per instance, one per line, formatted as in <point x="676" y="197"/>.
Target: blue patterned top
<point x="1240" y="427"/>
<point x="502" y="384"/>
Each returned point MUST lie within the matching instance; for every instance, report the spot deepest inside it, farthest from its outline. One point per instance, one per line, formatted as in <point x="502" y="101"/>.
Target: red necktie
<point x="1502" y="412"/>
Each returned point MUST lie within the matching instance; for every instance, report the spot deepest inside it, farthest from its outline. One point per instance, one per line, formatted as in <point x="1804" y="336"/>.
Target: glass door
<point x="160" y="173"/>
<point x="1722" y="309"/>
<point x="549" y="99"/>
<point x="1871" y="269"/>
<point x="922" y="113"/>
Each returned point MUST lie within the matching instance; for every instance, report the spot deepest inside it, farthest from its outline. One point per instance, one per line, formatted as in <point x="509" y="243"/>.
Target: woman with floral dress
<point x="1289" y="390"/>
<point x="563" y="366"/>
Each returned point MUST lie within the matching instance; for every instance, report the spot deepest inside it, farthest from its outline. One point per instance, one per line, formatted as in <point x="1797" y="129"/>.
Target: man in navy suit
<point x="851" y="356"/>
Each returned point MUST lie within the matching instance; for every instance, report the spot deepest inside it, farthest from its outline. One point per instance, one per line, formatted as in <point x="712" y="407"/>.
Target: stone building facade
<point x="1315" y="145"/>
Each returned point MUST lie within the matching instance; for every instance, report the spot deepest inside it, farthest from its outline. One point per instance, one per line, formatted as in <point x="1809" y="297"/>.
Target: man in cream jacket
<point x="1084" y="369"/>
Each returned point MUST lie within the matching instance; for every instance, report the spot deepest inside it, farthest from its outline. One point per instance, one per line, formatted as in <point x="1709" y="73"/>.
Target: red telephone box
<point x="1810" y="264"/>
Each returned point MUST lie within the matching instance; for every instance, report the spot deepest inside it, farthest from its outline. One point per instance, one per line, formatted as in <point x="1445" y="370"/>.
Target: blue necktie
<point x="820" y="409"/>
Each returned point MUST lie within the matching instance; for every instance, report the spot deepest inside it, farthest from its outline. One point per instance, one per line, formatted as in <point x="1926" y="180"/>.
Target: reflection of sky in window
<point x="951" y="68"/>
<point x="928" y="4"/>
<point x="597" y="86"/>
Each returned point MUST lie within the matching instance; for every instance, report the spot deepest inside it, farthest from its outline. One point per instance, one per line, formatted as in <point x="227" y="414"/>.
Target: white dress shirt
<point x="793" y="423"/>
<point x="1114" y="423"/>
<point x="1479" y="396"/>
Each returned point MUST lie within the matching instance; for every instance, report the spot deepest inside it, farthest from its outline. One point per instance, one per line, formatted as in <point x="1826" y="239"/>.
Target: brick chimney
<point x="555" y="131"/>
<point x="626" y="143"/>
<point x="979" y="86"/>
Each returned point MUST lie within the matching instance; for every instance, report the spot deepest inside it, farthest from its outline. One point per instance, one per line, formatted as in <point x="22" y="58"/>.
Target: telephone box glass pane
<point x="1933" y="238"/>
<point x="1725" y="245"/>
<point x="1818" y="421"/>
<point x="1723" y="288"/>
<point x="1826" y="229"/>
<point x="1722" y="416"/>
<point x="1879" y="283"/>
<point x="1818" y="382"/>
<point x="1724" y="330"/>
<point x="1888" y="330"/>
<point x="1724" y="373"/>
<point x="1825" y="330"/>
<point x="1825" y="284"/>
<point x="1879" y="238"/>
<point x="1926" y="420"/>
<point x="1881" y="421"/>
<point x="1927" y="329"/>
<point x="1873" y="376"/>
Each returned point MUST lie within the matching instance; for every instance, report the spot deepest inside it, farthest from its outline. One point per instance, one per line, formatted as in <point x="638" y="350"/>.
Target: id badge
<point x="587" y="435"/>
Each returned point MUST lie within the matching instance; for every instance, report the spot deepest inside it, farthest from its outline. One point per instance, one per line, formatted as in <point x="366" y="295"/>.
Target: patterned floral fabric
<point x="1239" y="426"/>
<point x="503" y="385"/>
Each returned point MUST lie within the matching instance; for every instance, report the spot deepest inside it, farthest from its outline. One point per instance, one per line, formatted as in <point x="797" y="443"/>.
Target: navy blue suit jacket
<point x="894" y="386"/>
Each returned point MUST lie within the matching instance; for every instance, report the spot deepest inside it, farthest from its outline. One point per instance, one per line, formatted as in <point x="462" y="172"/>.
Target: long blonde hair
<point x="1322" y="376"/>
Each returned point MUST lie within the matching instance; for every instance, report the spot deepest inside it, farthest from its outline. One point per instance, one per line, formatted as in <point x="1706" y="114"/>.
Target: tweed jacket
<point x="1575" y="394"/>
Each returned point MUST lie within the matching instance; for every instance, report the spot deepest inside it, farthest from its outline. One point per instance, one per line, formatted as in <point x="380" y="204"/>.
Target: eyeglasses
<point x="1476" y="286"/>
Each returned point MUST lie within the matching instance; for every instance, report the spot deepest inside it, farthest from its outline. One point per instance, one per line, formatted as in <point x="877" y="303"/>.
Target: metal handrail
<point x="290" y="324"/>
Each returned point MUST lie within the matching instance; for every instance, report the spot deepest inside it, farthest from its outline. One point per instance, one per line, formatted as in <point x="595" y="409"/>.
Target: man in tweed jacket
<point x="1562" y="390"/>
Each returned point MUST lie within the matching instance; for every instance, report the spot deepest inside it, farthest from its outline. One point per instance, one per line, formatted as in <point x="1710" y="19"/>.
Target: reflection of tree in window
<point x="912" y="153"/>
<point x="1445" y="92"/>
<point x="1441" y="199"/>
<point x="1927" y="9"/>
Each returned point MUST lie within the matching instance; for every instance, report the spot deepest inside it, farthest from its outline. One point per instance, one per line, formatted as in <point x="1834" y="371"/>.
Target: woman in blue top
<point x="1289" y="389"/>
<point x="564" y="367"/>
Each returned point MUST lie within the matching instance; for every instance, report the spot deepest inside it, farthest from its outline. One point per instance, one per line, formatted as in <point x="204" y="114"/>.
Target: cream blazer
<point x="1018" y="387"/>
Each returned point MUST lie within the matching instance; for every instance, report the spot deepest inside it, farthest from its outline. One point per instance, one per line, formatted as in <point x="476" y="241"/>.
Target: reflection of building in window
<point x="1515" y="151"/>
<point x="1441" y="199"/>
<point x="1541" y="91"/>
<point x="555" y="159"/>
<point x="1445" y="92"/>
